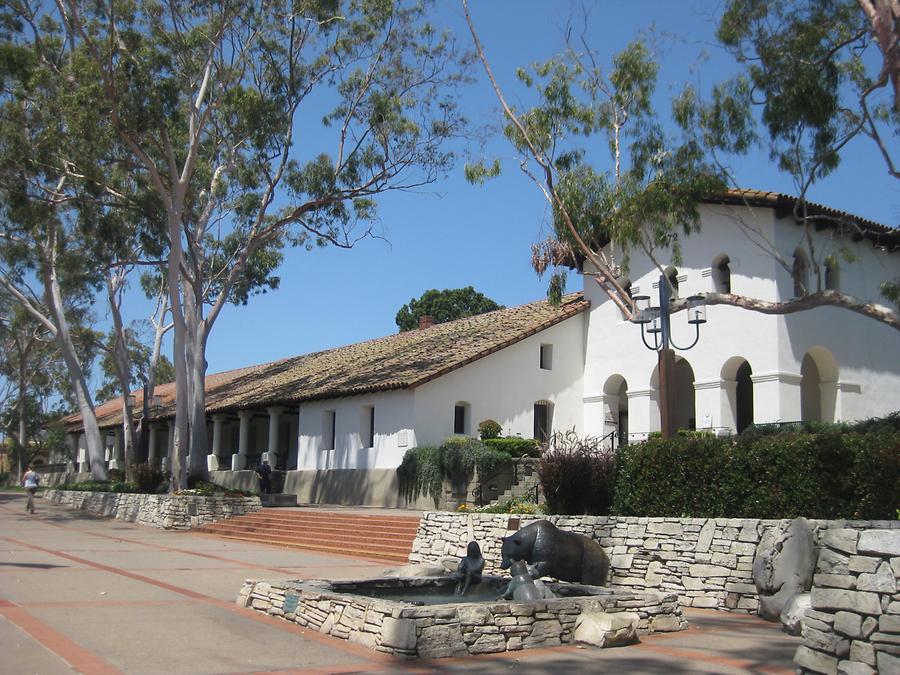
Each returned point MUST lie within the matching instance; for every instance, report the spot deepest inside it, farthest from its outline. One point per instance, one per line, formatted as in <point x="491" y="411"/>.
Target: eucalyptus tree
<point x="30" y="374"/>
<point x="640" y="197"/>
<point x="258" y="124"/>
<point x="806" y="71"/>
<point x="818" y="75"/>
<point x="74" y="215"/>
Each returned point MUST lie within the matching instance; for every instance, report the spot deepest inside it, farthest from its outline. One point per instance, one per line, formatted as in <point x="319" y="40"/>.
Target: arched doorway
<point x="615" y="408"/>
<point x="737" y="391"/>
<point x="685" y="404"/>
<point x="543" y="420"/>
<point x="743" y="398"/>
<point x="818" y="386"/>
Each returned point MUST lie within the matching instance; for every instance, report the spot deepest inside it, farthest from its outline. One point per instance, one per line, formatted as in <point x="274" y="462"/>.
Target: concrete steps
<point x="528" y="481"/>
<point x="522" y="488"/>
<point x="382" y="537"/>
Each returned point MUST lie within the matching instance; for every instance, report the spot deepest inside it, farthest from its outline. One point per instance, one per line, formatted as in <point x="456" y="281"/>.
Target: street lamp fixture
<point x="655" y="322"/>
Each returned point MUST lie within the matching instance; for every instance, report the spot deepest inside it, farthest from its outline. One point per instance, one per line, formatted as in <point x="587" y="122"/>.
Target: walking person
<point x="30" y="481"/>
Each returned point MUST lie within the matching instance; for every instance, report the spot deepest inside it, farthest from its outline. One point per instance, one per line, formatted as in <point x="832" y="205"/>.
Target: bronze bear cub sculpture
<point x="552" y="552"/>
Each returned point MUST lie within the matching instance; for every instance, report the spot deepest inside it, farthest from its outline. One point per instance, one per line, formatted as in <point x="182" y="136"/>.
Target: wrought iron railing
<point x="479" y="489"/>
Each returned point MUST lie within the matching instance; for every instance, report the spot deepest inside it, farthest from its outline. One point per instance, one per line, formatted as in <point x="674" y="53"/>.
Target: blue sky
<point x="452" y="234"/>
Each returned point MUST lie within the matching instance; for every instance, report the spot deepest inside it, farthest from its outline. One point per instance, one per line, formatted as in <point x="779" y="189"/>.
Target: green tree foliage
<point x="32" y="385"/>
<point x="140" y="362"/>
<point x="809" y="71"/>
<point x="592" y="142"/>
<point x="203" y="105"/>
<point x="446" y="305"/>
<point x="817" y="75"/>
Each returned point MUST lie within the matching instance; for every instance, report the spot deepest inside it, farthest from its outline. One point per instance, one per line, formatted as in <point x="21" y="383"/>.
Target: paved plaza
<point x="80" y="593"/>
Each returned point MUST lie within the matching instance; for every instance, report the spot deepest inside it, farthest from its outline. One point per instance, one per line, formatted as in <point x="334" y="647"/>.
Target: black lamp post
<point x="660" y="329"/>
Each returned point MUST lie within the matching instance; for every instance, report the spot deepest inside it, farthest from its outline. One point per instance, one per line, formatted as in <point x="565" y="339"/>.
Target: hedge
<point x="828" y="471"/>
<point x="514" y="446"/>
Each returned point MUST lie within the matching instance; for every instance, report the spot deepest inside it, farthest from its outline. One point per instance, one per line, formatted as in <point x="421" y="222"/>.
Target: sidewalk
<point x="79" y="593"/>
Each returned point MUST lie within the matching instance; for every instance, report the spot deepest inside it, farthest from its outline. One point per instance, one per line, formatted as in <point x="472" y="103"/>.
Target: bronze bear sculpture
<point x="552" y="552"/>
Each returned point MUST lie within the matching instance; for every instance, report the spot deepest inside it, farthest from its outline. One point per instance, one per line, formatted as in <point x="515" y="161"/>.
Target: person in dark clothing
<point x="264" y="471"/>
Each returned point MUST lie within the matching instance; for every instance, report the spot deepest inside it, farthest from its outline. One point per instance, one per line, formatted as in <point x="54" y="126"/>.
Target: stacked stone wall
<point x="170" y="512"/>
<point x="447" y="630"/>
<point x="853" y="626"/>
<point x="706" y="562"/>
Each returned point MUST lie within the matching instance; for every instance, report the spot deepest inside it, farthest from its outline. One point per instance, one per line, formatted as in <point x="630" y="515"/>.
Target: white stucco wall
<point x="867" y="354"/>
<point x="505" y="386"/>
<point x="394" y="432"/>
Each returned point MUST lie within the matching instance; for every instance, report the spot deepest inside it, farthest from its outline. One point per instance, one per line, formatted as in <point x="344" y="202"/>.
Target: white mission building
<point x="338" y="422"/>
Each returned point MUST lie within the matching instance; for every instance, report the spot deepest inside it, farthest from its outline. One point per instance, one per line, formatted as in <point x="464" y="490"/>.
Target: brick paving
<point x="79" y="593"/>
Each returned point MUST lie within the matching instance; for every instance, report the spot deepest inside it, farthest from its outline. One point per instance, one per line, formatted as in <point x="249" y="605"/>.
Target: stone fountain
<point x="441" y="615"/>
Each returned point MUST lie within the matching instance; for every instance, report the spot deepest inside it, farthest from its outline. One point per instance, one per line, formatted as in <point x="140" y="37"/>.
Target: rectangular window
<point x="547" y="357"/>
<point x="459" y="419"/>
<point x="368" y="426"/>
<point x="329" y="420"/>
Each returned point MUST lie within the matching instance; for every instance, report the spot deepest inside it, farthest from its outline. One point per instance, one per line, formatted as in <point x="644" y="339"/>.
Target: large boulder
<point x="792" y="615"/>
<point x="783" y="567"/>
<point x="603" y="629"/>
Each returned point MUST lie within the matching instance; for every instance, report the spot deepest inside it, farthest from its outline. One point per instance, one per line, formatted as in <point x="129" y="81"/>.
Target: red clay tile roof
<point x="399" y="361"/>
<point x="824" y="216"/>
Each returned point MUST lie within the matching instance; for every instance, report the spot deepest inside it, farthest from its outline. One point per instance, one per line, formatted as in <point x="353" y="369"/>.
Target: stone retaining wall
<point x="707" y="562"/>
<point x="170" y="512"/>
<point x="854" y="624"/>
<point x="447" y="630"/>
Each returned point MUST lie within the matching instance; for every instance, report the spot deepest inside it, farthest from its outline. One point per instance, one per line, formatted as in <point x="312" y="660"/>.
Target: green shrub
<point x="815" y="470"/>
<point x="489" y="462"/>
<point x="461" y="456"/>
<point x="148" y="479"/>
<point x="421" y="472"/>
<point x="577" y="475"/>
<point x="104" y="486"/>
<point x="489" y="429"/>
<point x="676" y="477"/>
<point x="423" y="469"/>
<point x="515" y="446"/>
<point x="458" y="455"/>
<point x="115" y="475"/>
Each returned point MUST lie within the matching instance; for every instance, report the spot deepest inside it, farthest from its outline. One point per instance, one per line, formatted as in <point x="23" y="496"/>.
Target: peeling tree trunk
<point x="120" y="358"/>
<point x="53" y="299"/>
<point x="829" y="298"/>
<point x="199" y="442"/>
<point x="178" y="451"/>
